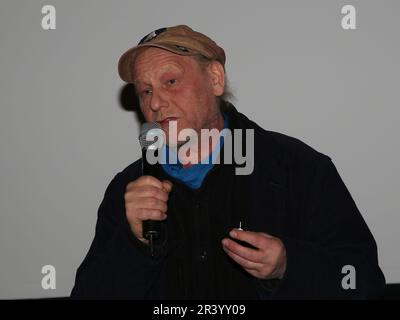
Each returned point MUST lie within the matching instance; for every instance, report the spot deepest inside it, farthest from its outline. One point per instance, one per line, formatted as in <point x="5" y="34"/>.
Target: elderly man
<point x="287" y="230"/>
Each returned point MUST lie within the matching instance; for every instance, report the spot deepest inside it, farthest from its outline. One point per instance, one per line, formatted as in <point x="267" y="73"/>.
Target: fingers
<point x="145" y="181"/>
<point x="148" y="214"/>
<point x="146" y="203"/>
<point x="150" y="181"/>
<point x="246" y="264"/>
<point x="146" y="191"/>
<point x="268" y="261"/>
<point x="252" y="255"/>
<point x="167" y="185"/>
<point x="153" y="204"/>
<point x="256" y="239"/>
<point x="148" y="186"/>
<point x="146" y="198"/>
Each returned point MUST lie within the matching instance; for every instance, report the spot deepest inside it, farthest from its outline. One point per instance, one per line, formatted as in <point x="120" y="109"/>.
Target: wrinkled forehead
<point x="152" y="61"/>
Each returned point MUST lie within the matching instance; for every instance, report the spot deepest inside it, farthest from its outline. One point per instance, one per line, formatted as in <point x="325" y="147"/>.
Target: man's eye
<point x="146" y="92"/>
<point x="171" y="81"/>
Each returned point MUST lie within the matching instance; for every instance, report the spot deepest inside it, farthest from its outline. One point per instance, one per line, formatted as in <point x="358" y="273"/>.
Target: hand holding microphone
<point x="146" y="197"/>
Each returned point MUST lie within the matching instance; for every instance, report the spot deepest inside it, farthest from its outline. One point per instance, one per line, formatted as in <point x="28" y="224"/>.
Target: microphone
<point x="149" y="133"/>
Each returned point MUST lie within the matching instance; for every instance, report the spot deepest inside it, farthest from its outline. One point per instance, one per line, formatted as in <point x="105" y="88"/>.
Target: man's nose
<point x="158" y="100"/>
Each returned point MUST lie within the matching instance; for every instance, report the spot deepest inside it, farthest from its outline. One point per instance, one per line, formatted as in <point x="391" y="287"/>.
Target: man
<point x="286" y="230"/>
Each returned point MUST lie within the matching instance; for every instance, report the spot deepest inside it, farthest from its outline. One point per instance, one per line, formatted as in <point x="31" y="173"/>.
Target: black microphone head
<point x="151" y="130"/>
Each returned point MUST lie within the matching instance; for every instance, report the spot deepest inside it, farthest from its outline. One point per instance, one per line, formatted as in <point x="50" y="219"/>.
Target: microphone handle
<point x="151" y="228"/>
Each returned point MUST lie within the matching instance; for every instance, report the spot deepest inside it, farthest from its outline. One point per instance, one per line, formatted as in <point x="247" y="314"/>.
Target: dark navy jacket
<point x="294" y="193"/>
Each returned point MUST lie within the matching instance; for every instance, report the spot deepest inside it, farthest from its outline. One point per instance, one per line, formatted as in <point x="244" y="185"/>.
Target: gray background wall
<point x="63" y="134"/>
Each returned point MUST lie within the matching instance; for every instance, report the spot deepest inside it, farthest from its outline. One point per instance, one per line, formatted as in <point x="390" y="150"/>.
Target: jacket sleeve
<point x="333" y="236"/>
<point x="118" y="265"/>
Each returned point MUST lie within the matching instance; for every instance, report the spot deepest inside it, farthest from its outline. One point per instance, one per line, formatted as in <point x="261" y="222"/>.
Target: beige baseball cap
<point x="179" y="39"/>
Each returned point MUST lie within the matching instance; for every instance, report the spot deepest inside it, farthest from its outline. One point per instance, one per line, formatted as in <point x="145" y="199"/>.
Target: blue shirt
<point x="192" y="176"/>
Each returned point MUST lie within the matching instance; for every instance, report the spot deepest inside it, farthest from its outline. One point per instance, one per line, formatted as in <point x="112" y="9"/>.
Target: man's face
<point x="174" y="87"/>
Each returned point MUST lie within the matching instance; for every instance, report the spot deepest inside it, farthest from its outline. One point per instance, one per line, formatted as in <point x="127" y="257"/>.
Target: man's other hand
<point x="266" y="261"/>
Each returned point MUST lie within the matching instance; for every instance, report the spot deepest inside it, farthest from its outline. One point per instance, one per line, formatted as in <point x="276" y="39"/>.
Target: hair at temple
<point x="228" y="95"/>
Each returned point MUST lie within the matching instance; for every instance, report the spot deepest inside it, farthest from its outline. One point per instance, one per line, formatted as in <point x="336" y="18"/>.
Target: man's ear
<point x="217" y="76"/>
